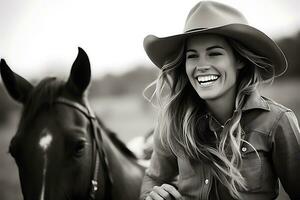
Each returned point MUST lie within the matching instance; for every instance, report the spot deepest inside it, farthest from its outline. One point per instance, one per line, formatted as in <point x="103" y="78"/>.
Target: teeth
<point x="206" y="83"/>
<point x="203" y="79"/>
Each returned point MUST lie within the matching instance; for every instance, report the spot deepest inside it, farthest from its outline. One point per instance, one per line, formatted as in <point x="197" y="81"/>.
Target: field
<point x="128" y="116"/>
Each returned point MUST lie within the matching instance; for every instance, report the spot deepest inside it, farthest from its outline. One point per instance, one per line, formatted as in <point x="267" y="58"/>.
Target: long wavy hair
<point x="181" y="110"/>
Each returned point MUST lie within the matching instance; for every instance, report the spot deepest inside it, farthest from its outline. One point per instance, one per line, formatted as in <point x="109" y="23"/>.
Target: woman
<point x="216" y="137"/>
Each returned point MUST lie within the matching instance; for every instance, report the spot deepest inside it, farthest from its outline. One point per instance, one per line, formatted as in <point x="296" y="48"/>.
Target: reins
<point x="99" y="152"/>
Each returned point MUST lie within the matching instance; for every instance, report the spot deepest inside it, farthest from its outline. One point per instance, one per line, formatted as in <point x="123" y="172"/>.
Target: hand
<point x="164" y="192"/>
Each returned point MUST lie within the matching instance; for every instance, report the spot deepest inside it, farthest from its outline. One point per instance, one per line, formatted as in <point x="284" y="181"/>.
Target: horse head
<point x="54" y="146"/>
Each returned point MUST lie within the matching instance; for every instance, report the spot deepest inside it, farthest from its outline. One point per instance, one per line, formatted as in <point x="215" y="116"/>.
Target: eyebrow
<point x="191" y="50"/>
<point x="214" y="47"/>
<point x="208" y="48"/>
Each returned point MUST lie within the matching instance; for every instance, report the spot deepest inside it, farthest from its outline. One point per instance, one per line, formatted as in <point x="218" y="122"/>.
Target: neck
<point x="222" y="108"/>
<point x="125" y="172"/>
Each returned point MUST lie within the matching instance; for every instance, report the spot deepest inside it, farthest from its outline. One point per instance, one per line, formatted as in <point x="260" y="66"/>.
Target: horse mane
<point x="116" y="140"/>
<point x="41" y="96"/>
<point x="44" y="96"/>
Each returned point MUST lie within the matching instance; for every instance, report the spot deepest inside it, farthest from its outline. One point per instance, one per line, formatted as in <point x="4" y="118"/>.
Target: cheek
<point x="232" y="75"/>
<point x="189" y="69"/>
<point x="229" y="67"/>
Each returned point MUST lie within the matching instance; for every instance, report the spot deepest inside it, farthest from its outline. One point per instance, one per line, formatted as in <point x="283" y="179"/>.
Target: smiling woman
<point x="212" y="68"/>
<point x="215" y="131"/>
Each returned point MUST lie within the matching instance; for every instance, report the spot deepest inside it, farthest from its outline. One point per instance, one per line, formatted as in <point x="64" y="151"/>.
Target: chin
<point x="207" y="96"/>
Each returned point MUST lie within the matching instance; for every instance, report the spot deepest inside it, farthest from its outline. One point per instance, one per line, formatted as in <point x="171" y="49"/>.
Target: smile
<point x="207" y="80"/>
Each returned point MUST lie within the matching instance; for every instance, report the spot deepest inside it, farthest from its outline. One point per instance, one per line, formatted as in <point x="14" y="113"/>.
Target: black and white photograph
<point x="149" y="100"/>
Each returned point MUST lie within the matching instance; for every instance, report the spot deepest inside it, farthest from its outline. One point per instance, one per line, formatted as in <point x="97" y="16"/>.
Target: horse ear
<point x="80" y="75"/>
<point x="17" y="87"/>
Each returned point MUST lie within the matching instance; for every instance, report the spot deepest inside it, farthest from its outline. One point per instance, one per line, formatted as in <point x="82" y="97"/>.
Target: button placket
<point x="206" y="181"/>
<point x="243" y="145"/>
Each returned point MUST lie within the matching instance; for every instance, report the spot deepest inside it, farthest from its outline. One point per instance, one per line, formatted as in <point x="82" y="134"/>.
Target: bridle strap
<point x="97" y="145"/>
<point x="101" y="157"/>
<point x="84" y="110"/>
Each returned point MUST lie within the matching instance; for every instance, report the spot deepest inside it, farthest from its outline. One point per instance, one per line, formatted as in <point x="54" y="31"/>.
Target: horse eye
<point x="79" y="148"/>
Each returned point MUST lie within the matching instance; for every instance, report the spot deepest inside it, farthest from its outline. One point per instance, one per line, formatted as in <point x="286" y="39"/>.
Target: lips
<point x="206" y="80"/>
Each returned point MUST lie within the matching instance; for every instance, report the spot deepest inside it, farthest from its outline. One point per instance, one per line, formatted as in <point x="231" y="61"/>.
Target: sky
<point x="40" y="37"/>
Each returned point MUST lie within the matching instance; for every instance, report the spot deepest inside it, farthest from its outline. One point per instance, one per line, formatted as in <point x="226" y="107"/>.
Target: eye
<point x="79" y="148"/>
<point x="192" y="56"/>
<point x="215" y="54"/>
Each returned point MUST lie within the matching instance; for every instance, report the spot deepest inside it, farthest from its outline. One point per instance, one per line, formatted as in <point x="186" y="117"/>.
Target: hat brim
<point x="162" y="49"/>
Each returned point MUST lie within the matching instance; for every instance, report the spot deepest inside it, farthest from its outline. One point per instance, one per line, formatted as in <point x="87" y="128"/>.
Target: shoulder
<point x="267" y="116"/>
<point x="275" y="107"/>
<point x="284" y="117"/>
<point x="276" y="111"/>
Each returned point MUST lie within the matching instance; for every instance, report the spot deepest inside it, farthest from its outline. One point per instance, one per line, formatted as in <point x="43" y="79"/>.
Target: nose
<point x="202" y="68"/>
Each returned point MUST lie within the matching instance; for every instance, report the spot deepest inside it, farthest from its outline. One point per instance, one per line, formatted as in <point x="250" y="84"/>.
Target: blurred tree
<point x="131" y="83"/>
<point x="291" y="47"/>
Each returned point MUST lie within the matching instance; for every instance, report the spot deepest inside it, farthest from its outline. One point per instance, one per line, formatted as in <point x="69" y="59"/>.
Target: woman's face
<point x="211" y="66"/>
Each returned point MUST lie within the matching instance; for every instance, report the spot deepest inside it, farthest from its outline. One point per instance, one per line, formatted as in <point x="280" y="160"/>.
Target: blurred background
<point x="39" y="38"/>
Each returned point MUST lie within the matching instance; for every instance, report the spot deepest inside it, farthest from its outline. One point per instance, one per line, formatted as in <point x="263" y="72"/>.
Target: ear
<point x="17" y="87"/>
<point x="80" y="75"/>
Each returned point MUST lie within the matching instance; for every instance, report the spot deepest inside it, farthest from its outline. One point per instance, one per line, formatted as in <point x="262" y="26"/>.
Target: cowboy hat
<point x="216" y="18"/>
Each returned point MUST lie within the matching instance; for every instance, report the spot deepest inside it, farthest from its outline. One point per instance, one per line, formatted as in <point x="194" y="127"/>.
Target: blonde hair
<point x="180" y="122"/>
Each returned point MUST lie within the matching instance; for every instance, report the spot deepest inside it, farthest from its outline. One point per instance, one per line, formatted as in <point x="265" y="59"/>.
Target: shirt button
<point x="244" y="149"/>
<point x="206" y="181"/>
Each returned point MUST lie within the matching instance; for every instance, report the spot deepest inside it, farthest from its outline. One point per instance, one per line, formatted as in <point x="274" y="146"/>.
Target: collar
<point x="255" y="101"/>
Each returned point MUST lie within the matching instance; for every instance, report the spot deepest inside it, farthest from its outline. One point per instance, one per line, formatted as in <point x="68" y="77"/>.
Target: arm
<point x="286" y="153"/>
<point x="163" y="168"/>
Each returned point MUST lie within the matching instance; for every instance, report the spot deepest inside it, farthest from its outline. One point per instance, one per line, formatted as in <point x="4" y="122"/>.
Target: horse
<point x="63" y="151"/>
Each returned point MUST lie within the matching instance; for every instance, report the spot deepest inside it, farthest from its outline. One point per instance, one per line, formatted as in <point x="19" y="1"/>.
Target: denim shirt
<point x="269" y="127"/>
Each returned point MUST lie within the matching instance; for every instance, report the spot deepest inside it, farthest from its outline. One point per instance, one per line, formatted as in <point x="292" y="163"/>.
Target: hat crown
<point x="210" y="14"/>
